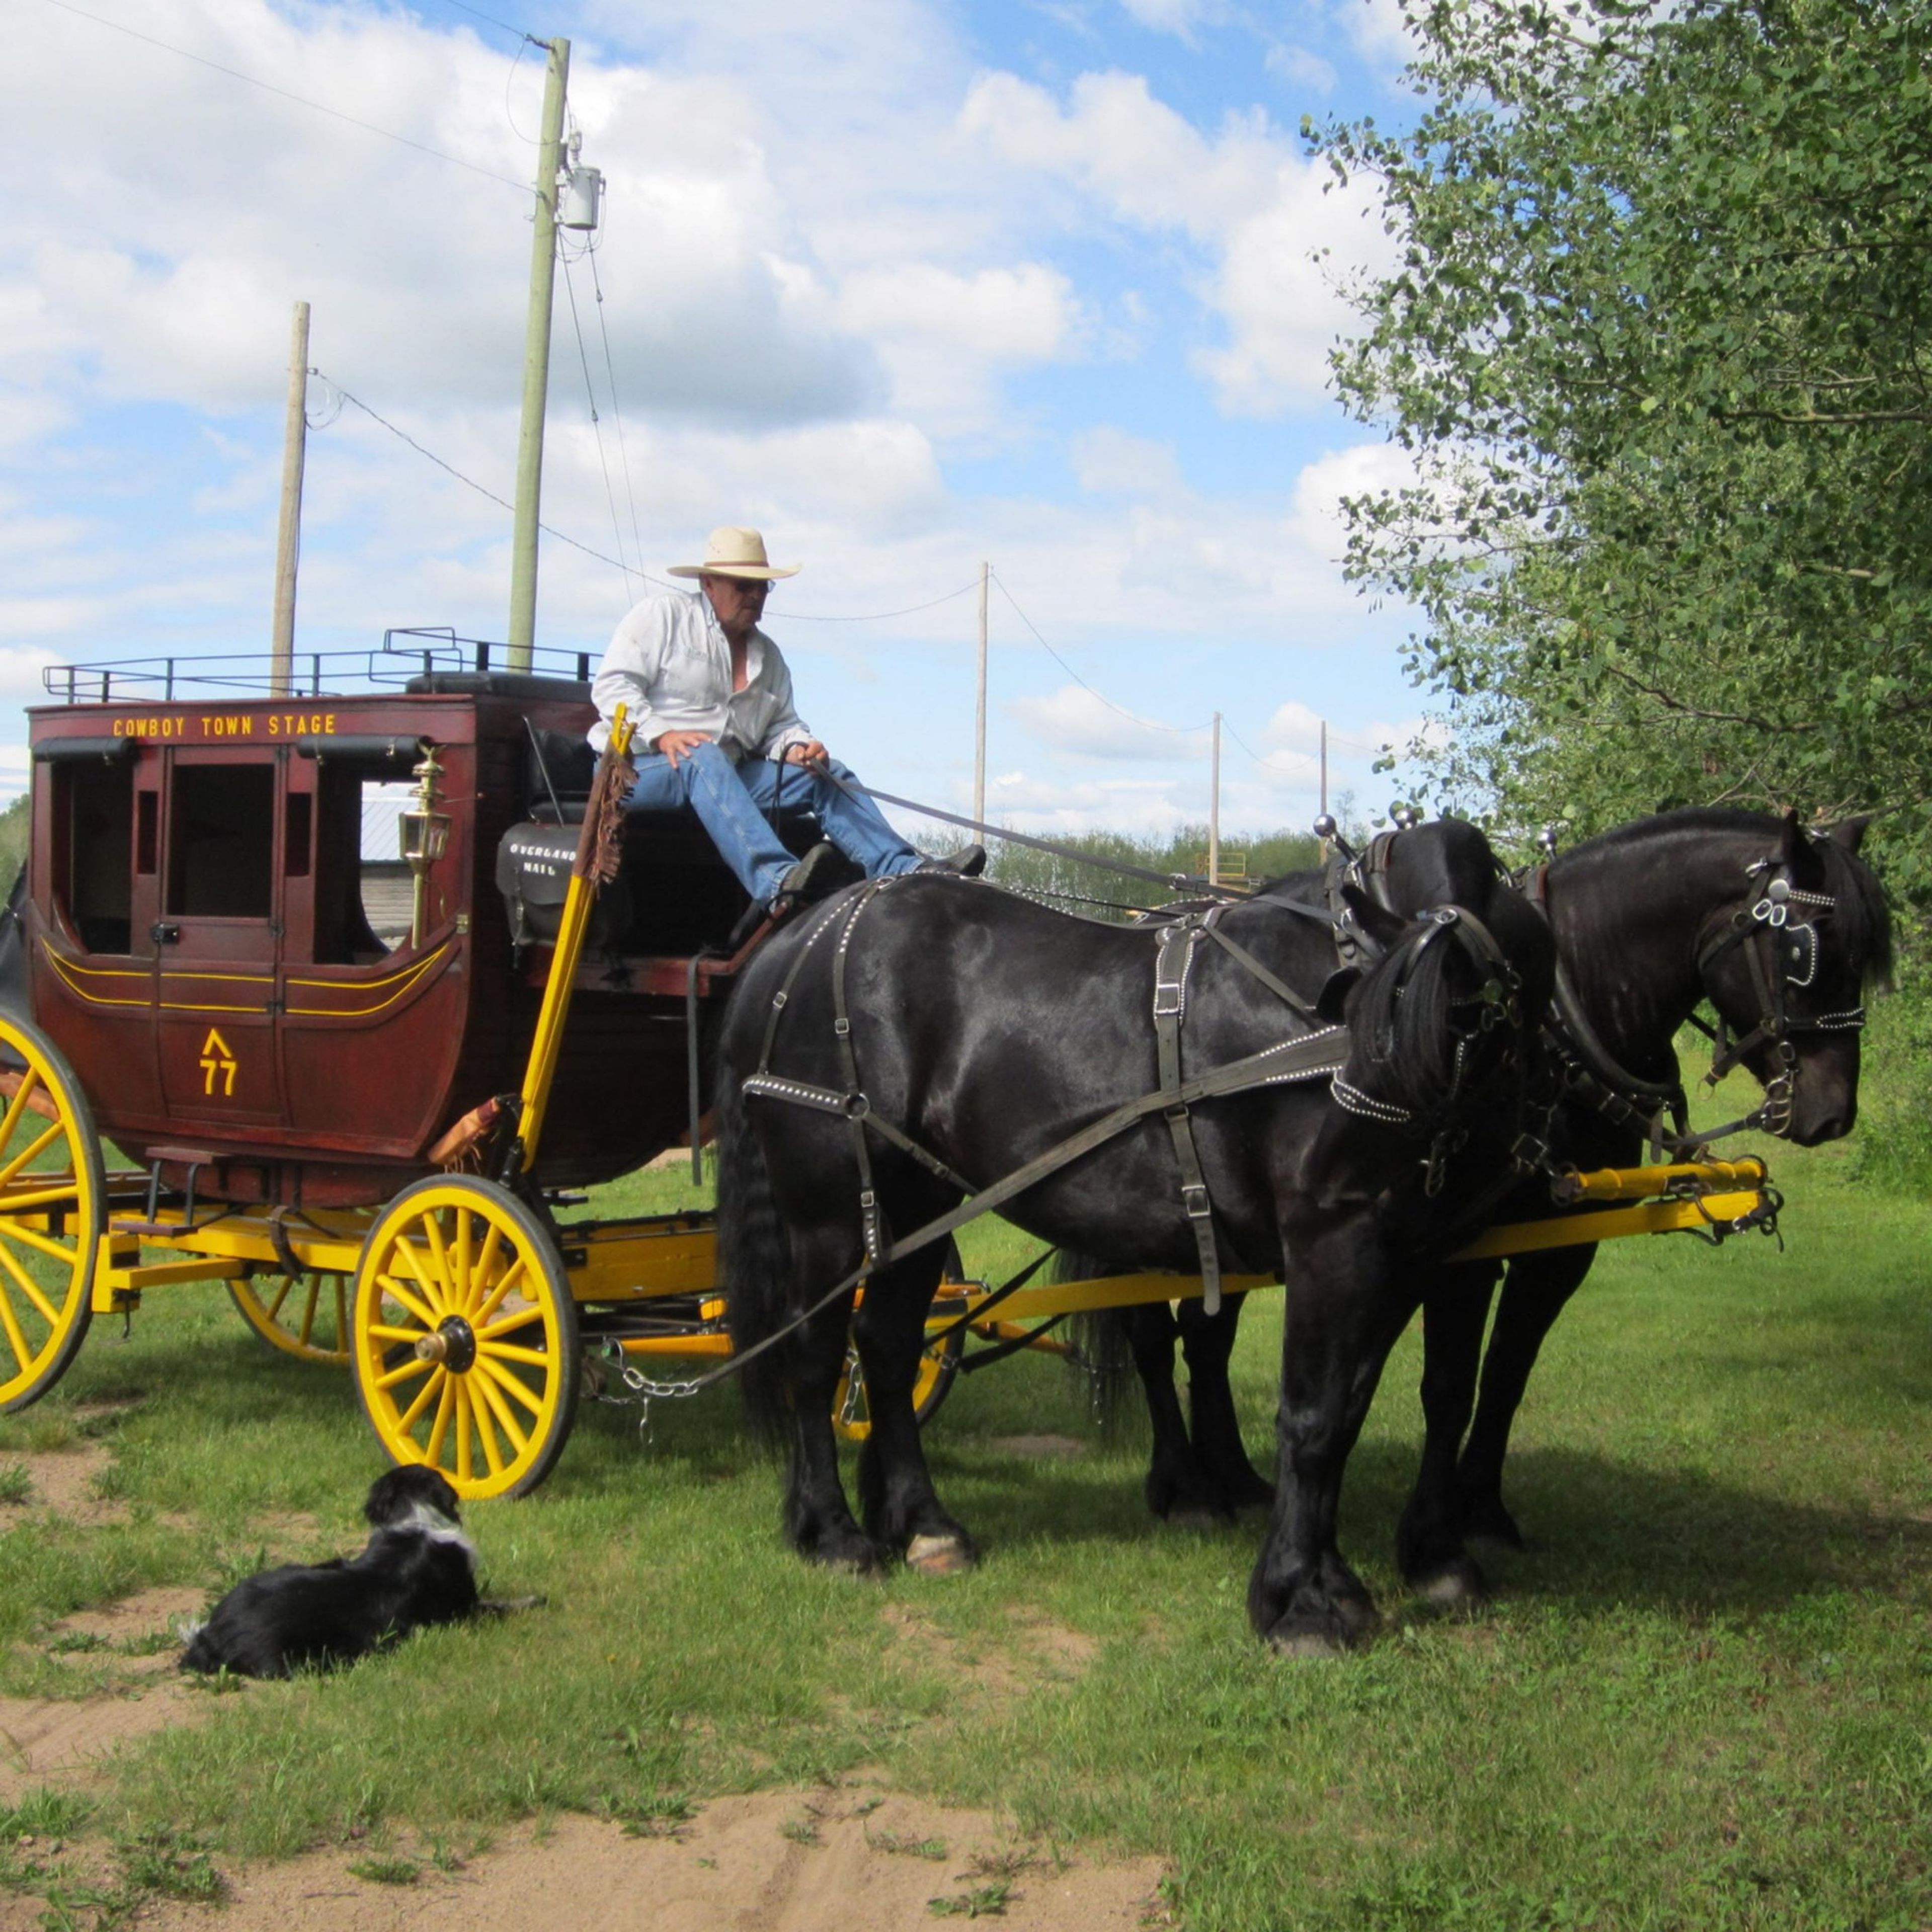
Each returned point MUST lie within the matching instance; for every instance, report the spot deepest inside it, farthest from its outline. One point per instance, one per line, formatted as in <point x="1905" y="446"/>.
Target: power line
<point x="300" y="100"/>
<point x="1151" y="724"/>
<point x="616" y="412"/>
<point x="596" y="426"/>
<point x="879" y="616"/>
<point x="503" y="25"/>
<point x="502" y="502"/>
<point x="616" y="563"/>
<point x="1334" y="738"/>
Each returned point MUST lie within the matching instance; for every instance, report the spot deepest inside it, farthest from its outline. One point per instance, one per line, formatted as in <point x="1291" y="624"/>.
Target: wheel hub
<point x="453" y="1343"/>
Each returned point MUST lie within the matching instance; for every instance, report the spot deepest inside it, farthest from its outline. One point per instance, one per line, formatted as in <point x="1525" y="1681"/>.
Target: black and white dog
<point x="419" y="1568"/>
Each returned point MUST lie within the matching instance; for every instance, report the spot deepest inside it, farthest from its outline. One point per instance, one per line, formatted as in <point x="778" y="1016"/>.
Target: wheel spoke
<point x="494" y="1300"/>
<point x="29" y="1080"/>
<point x="445" y="1403"/>
<point x="15" y="1340"/>
<point x="506" y="1421"/>
<point x="67" y="1254"/>
<point x="435" y="1385"/>
<point x="407" y="1250"/>
<point x="486" y="1433"/>
<point x="342" y="1312"/>
<point x="38" y="1146"/>
<point x="381" y="1331"/>
<point x="402" y="1372"/>
<point x="493" y="1377"/>
<point x="510" y="1324"/>
<point x="40" y="1197"/>
<point x="308" y="1308"/>
<point x="274" y="1307"/>
<point x="464" y="1282"/>
<point x="488" y="1258"/>
<point x="439" y="1252"/>
<point x="391" y="1287"/>
<point x="510" y="1351"/>
<point x="29" y="1286"/>
<point x="463" y="1458"/>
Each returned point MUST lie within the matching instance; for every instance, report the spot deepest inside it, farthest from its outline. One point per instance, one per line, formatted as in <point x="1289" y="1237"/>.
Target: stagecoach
<point x="366" y="1089"/>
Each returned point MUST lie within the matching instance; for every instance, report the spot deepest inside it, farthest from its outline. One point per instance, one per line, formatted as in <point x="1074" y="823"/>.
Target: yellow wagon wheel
<point x="305" y="1315"/>
<point x="938" y="1364"/>
<point x="464" y="1338"/>
<point x="52" y="1200"/>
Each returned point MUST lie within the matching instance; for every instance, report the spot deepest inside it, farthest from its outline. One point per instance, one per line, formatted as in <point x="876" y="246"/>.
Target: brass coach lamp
<point x="423" y="833"/>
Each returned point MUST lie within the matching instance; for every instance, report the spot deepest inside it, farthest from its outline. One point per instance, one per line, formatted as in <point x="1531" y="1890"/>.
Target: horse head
<point x="1458" y="997"/>
<point x="1787" y="970"/>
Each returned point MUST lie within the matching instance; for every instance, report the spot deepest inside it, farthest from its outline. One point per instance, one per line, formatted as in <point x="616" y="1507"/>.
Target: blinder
<point x="1784" y="951"/>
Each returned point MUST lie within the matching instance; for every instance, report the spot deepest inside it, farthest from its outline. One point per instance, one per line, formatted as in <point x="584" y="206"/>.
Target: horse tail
<point x="754" y="1266"/>
<point x="1097" y="1338"/>
<point x="1406" y="1049"/>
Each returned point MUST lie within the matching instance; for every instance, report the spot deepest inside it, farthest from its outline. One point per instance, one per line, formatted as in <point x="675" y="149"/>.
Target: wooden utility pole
<point x="288" y="540"/>
<point x="1324" y="768"/>
<point x="1214" y="811"/>
<point x="980" y="711"/>
<point x="536" y="363"/>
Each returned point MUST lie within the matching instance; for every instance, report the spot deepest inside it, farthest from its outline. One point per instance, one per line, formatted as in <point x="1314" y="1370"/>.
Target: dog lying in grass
<point x="419" y="1568"/>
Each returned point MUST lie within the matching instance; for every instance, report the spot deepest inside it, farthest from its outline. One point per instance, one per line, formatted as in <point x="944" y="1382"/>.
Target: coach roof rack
<point x="416" y="658"/>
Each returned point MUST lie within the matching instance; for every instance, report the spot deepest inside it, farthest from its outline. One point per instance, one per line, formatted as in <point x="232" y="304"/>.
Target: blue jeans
<point x="731" y="801"/>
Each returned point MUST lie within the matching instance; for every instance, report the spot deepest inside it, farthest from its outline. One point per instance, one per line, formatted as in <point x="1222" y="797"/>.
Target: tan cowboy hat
<point x="731" y="550"/>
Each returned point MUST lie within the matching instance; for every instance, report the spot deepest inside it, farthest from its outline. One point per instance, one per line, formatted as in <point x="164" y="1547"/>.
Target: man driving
<point x="710" y="700"/>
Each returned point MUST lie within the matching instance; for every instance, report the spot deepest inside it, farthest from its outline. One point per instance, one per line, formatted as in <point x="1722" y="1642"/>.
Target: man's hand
<point x="677" y="744"/>
<point x="811" y="752"/>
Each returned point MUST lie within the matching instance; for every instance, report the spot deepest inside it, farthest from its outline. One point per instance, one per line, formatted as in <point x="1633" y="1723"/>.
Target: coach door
<point x="217" y="937"/>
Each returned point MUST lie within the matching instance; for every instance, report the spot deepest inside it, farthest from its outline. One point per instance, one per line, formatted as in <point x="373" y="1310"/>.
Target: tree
<point x="1658" y="343"/>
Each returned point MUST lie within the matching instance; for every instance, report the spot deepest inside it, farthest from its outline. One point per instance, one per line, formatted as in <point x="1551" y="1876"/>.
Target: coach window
<point x="363" y="889"/>
<point x="221" y="841"/>
<point x="99" y="821"/>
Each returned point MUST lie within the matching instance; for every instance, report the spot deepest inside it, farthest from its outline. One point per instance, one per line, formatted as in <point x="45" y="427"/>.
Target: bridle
<point x="1783" y="954"/>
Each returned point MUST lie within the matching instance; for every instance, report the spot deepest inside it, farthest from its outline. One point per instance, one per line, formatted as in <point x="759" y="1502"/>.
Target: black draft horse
<point x="984" y="1030"/>
<point x="1650" y="920"/>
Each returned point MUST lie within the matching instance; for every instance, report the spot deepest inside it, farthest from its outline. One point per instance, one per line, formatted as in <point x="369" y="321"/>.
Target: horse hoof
<point x="1300" y="1643"/>
<point x="1249" y="1493"/>
<point x="1182" y="1497"/>
<point x="939" y="1555"/>
<point x="850" y="1563"/>
<point x="1460" y="1581"/>
<point x="1491" y="1523"/>
<point x="1194" y="1516"/>
<point x="849" y="1555"/>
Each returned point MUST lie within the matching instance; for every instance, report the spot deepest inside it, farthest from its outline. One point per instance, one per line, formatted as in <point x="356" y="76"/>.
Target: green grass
<point x="1703" y="1698"/>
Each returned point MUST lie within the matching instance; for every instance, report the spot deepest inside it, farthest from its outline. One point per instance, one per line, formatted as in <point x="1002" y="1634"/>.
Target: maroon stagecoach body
<point x="199" y="940"/>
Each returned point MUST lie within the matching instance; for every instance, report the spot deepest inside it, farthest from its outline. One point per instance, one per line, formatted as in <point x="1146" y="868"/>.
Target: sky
<point x="909" y="285"/>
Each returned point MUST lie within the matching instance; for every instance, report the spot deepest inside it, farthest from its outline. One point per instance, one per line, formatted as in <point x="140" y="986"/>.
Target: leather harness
<point x="1323" y="1051"/>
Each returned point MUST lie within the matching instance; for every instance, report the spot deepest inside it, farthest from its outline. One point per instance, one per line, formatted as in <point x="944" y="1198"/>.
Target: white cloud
<point x="1178" y="17"/>
<point x="1074" y="719"/>
<point x="1379" y="30"/>
<point x="1301" y="67"/>
<point x="944" y="336"/>
<point x="1108" y="462"/>
<point x="1279" y="235"/>
<point x="1362" y="470"/>
<point x="1050" y="804"/>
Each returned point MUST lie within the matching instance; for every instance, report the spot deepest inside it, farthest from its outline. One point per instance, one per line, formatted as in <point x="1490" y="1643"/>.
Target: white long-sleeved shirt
<point x="670" y="662"/>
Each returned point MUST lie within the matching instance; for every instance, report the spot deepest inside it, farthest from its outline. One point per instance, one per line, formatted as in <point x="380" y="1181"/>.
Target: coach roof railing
<point x="405" y="654"/>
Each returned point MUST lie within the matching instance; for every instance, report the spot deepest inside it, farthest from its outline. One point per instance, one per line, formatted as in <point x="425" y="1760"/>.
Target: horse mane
<point x="1863" y="916"/>
<point x="1400" y="1033"/>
